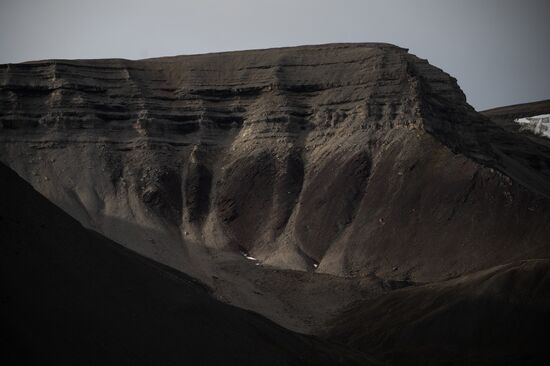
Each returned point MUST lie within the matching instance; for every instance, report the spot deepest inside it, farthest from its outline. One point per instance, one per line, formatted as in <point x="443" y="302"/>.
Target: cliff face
<point x="343" y="159"/>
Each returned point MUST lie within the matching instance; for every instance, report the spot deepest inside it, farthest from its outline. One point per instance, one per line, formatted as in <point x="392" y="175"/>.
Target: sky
<point x="499" y="50"/>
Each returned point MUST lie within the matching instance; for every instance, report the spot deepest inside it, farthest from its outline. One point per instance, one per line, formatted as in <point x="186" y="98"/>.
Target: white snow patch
<point x="315" y="265"/>
<point x="539" y="125"/>
<point x="247" y="256"/>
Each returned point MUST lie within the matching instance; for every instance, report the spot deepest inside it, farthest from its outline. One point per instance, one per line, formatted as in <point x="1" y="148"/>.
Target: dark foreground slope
<point x="499" y="316"/>
<point x="71" y="296"/>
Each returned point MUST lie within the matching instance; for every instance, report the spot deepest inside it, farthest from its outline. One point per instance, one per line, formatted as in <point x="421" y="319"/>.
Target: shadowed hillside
<point x="499" y="316"/>
<point x="71" y="296"/>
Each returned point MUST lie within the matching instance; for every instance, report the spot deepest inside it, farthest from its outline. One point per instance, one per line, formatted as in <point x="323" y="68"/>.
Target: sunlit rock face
<point x="539" y="125"/>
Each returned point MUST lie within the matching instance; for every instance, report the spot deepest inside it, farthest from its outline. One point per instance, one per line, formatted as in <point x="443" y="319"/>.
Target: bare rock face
<point x="346" y="159"/>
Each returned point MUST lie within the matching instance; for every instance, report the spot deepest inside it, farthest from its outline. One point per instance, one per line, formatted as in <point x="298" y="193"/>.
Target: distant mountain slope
<point x="69" y="296"/>
<point x="512" y="112"/>
<point x="506" y="118"/>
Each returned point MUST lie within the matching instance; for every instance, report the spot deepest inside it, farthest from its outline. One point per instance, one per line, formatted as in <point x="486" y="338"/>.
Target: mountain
<point x="72" y="296"/>
<point x="242" y="151"/>
<point x="304" y="183"/>
<point x="511" y="112"/>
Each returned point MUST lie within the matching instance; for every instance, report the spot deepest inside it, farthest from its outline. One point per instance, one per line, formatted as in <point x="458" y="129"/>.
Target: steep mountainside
<point x="360" y="162"/>
<point x="71" y="296"/>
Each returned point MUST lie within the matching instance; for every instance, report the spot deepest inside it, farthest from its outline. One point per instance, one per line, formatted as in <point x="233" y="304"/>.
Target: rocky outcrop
<point x="347" y="159"/>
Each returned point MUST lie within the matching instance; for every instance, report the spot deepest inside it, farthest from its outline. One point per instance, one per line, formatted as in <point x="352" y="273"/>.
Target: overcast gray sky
<point x="499" y="50"/>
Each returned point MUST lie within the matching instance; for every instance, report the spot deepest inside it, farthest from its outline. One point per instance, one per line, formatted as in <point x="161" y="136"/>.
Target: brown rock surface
<point x="339" y="167"/>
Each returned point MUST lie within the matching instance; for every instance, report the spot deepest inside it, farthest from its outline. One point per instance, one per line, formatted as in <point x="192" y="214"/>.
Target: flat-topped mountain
<point x="293" y="181"/>
<point x="337" y="158"/>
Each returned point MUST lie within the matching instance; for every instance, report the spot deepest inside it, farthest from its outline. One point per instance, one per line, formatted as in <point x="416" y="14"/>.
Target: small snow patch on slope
<point x="246" y="255"/>
<point x="539" y="125"/>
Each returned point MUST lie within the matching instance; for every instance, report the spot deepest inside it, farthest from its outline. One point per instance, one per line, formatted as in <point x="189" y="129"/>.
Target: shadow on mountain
<point x="71" y="296"/>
